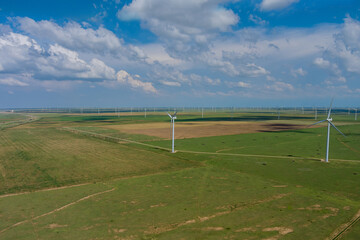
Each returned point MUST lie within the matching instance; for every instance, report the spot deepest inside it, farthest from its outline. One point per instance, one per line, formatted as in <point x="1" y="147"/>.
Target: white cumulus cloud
<point x="72" y="35"/>
<point x="280" y="86"/>
<point x="239" y="84"/>
<point x="298" y="72"/>
<point x="322" y="62"/>
<point x="171" y="84"/>
<point x="269" y="5"/>
<point x="124" y="77"/>
<point x="347" y="47"/>
<point x="257" y="20"/>
<point x="20" y="54"/>
<point x="13" y="82"/>
<point x="184" y="26"/>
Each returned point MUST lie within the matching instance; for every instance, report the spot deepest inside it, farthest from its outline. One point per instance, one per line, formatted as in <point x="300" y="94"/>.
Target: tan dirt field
<point x="202" y="129"/>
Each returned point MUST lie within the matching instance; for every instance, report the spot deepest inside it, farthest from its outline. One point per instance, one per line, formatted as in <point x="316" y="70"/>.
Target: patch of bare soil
<point x="55" y="225"/>
<point x="203" y="129"/>
<point x="281" y="230"/>
<point x="317" y="207"/>
<point x="213" y="229"/>
<point x="131" y="237"/>
<point x="247" y="229"/>
<point x="158" y="205"/>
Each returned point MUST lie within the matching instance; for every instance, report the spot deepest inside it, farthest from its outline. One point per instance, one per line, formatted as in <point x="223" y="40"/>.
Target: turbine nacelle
<point x="172" y="116"/>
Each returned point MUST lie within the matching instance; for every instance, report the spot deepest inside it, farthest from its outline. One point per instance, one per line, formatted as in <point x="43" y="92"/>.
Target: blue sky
<point x="179" y="53"/>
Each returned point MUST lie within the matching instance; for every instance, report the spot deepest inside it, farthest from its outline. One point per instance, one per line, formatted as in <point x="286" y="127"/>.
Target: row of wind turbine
<point x="328" y="120"/>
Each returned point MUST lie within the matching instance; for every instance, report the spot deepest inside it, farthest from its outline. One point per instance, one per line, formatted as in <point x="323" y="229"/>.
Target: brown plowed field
<point x="202" y="129"/>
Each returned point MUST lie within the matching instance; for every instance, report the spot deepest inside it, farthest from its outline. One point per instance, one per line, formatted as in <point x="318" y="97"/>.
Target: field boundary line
<point x="265" y="156"/>
<point x="12" y="124"/>
<point x="44" y="190"/>
<point x="197" y="152"/>
<point x="344" y="227"/>
<point x="247" y="155"/>
<point x="113" y="138"/>
<point x="56" y="210"/>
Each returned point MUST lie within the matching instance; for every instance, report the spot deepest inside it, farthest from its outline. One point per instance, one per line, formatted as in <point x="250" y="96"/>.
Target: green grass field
<point x="57" y="184"/>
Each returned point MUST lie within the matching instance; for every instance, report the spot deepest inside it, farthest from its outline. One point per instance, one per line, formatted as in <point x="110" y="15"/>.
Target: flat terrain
<point x="203" y="129"/>
<point x="35" y="158"/>
<point x="240" y="176"/>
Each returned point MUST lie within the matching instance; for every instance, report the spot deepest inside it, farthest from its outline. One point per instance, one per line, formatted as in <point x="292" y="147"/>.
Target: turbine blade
<point x="169" y="115"/>
<point x="330" y="108"/>
<point x="337" y="129"/>
<point x="317" y="122"/>
<point x="175" y="114"/>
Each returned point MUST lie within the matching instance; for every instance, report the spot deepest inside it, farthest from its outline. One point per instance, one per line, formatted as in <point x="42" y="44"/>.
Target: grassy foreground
<point x="131" y="191"/>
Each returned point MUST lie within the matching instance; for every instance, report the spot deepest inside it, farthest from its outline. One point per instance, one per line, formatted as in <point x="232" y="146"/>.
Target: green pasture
<point x="35" y="158"/>
<point x="306" y="143"/>
<point x="4" y="117"/>
<point x="200" y="203"/>
<point x="267" y="185"/>
<point x="8" y="120"/>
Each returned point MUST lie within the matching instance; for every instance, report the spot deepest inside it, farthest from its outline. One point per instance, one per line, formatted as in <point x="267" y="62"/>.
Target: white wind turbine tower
<point x="329" y="120"/>
<point x="173" y="117"/>
<point x="355" y="113"/>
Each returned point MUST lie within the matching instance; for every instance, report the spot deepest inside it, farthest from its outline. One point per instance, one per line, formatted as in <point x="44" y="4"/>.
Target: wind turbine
<point x="355" y="113"/>
<point x="172" y="117"/>
<point x="329" y="120"/>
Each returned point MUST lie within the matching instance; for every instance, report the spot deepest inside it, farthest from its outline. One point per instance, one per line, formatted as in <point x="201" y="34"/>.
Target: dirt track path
<point x="344" y="227"/>
<point x="102" y="136"/>
<point x="265" y="156"/>
<point x="346" y="145"/>
<point x="55" y="210"/>
<point x="171" y="227"/>
<point x="44" y="190"/>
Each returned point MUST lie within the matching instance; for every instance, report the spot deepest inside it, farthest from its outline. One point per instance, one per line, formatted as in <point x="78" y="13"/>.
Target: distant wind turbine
<point x="355" y="113"/>
<point x="329" y="120"/>
<point x="173" y="117"/>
